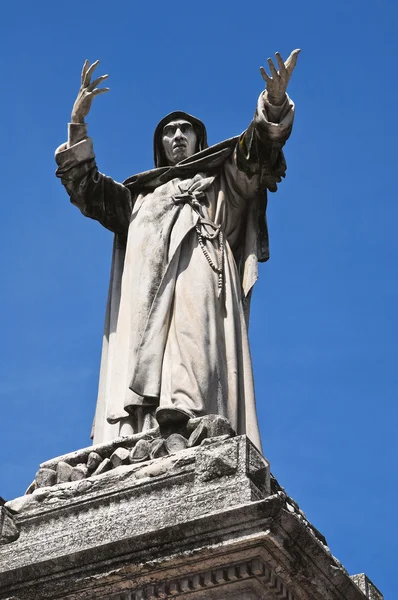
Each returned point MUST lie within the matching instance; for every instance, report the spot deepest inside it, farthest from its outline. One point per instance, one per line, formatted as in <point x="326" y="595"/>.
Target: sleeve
<point x="258" y="158"/>
<point x="96" y="195"/>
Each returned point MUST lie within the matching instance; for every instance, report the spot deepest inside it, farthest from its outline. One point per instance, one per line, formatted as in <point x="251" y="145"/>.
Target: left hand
<point x="87" y="92"/>
<point x="277" y="84"/>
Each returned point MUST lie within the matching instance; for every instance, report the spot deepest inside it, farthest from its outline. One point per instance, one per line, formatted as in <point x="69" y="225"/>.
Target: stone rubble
<point x="133" y="449"/>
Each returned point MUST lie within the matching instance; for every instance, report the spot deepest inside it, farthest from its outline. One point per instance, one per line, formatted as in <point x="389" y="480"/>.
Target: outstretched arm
<point x="259" y="153"/>
<point x="97" y="196"/>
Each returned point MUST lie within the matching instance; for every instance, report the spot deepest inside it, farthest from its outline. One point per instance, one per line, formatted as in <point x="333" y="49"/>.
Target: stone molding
<point x="219" y="579"/>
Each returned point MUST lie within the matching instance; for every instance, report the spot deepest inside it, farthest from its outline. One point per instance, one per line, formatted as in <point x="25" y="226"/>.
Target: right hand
<point x="87" y="92"/>
<point x="277" y="84"/>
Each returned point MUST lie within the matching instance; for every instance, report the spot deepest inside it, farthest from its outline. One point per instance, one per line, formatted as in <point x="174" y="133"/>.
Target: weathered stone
<point x="83" y="487"/>
<point x="198" y="435"/>
<point x="215" y="425"/>
<point x="140" y="451"/>
<point x="258" y="469"/>
<point x="105" y="449"/>
<point x="216" y="461"/>
<point x="8" y="529"/>
<point x="64" y="472"/>
<point x="45" y="477"/>
<point x="93" y="461"/>
<point x="176" y="442"/>
<point x="120" y="457"/>
<point x="157" y="530"/>
<point x="22" y="503"/>
<point x="158" y="449"/>
<point x="214" y="440"/>
<point x="31" y="488"/>
<point x="367" y="587"/>
<point x="154" y="468"/>
<point x="79" y="472"/>
<point x="103" y="467"/>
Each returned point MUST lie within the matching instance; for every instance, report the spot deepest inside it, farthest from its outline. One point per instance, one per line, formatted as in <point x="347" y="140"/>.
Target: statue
<point x="188" y="237"/>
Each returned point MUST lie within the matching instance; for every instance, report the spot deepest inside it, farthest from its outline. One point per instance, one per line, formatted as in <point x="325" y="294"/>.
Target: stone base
<point x="207" y="522"/>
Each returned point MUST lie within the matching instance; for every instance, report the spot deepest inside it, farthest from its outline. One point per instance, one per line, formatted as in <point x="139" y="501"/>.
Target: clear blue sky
<point x="324" y="318"/>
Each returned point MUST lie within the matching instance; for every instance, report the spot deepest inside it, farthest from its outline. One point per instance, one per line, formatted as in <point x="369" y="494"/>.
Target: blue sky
<point x="324" y="317"/>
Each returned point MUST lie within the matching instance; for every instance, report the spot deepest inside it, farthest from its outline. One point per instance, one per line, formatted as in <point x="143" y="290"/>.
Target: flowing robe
<point x="175" y="331"/>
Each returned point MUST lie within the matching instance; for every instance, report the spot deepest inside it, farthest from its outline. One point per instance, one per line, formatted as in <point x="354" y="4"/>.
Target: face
<point x="179" y="140"/>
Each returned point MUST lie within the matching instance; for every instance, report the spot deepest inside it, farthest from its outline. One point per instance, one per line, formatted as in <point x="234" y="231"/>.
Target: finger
<point x="292" y="61"/>
<point x="281" y="64"/>
<point x="272" y="68"/>
<point x="84" y="69"/>
<point x="96" y="82"/>
<point x="99" y="91"/>
<point x="89" y="72"/>
<point x="265" y="75"/>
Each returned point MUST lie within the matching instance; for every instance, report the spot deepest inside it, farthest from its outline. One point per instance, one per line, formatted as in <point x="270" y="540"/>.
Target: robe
<point x="187" y="242"/>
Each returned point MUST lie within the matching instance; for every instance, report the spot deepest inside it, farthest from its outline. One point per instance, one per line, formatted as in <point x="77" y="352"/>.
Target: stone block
<point x="120" y="457"/>
<point x="103" y="467"/>
<point x="215" y="425"/>
<point x="93" y="461"/>
<point x="79" y="472"/>
<point x="216" y="461"/>
<point x="198" y="435"/>
<point x="158" y="449"/>
<point x="64" y="472"/>
<point x="140" y="452"/>
<point x="175" y="443"/>
<point x="45" y="477"/>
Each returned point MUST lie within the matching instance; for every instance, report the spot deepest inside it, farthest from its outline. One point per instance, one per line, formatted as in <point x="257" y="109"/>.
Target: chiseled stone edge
<point x="9" y="531"/>
<point x="292" y="506"/>
<point x="367" y="586"/>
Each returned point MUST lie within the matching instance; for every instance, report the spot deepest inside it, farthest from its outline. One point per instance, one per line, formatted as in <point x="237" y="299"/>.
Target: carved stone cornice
<point x="205" y="523"/>
<point x="253" y="574"/>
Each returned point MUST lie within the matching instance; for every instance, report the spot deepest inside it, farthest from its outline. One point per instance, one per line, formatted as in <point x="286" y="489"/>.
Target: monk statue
<point x="188" y="236"/>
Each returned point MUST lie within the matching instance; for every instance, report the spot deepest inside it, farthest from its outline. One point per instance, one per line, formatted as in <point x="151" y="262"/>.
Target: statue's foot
<point x="173" y="420"/>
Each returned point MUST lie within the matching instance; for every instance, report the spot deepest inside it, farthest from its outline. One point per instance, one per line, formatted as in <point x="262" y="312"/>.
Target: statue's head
<point x="178" y="136"/>
<point x="179" y="140"/>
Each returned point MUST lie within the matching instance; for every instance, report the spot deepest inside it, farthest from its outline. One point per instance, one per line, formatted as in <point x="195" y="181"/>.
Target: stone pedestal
<point x="206" y="522"/>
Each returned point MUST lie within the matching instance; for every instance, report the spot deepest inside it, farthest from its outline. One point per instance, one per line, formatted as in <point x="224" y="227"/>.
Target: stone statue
<point x="188" y="237"/>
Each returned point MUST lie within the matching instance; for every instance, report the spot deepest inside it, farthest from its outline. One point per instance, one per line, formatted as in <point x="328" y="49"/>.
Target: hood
<point x="158" y="152"/>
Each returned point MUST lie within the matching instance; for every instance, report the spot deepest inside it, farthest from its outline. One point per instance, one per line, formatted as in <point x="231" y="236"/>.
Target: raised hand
<point x="87" y="92"/>
<point x="276" y="85"/>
